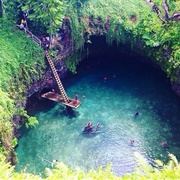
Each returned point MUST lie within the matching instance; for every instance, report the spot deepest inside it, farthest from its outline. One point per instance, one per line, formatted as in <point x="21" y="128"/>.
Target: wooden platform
<point x="58" y="98"/>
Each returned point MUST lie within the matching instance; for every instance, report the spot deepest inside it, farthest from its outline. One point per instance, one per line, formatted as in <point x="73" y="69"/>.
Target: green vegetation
<point x="48" y="13"/>
<point x="21" y="60"/>
<point x="121" y="21"/>
<point x="31" y="121"/>
<point x="170" y="171"/>
<point x="21" y="63"/>
<point x="1" y="9"/>
<point x="131" y="22"/>
<point x="135" y="23"/>
<point x="73" y="60"/>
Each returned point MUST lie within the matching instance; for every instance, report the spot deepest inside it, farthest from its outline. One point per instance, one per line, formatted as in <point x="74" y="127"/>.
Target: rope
<point x="43" y="159"/>
<point x="53" y="162"/>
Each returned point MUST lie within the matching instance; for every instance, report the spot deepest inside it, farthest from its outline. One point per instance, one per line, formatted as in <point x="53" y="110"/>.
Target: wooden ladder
<point x="59" y="83"/>
<point x="63" y="98"/>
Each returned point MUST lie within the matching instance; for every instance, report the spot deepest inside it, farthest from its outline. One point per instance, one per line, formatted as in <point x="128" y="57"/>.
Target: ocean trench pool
<point x="128" y="88"/>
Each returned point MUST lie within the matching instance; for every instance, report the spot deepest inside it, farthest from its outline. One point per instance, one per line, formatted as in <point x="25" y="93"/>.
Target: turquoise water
<point x="129" y="88"/>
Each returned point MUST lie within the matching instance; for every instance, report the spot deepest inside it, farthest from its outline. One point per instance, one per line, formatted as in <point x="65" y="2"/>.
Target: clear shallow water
<point x="134" y="88"/>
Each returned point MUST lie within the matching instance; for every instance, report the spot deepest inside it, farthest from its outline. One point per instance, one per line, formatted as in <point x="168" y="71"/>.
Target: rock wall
<point x="176" y="87"/>
<point x="63" y="46"/>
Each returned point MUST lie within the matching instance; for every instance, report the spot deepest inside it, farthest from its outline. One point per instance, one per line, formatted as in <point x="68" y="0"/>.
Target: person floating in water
<point x="132" y="142"/>
<point x="89" y="125"/>
<point x="54" y="162"/>
<point x="98" y="125"/>
<point x="88" y="128"/>
<point x="136" y="114"/>
<point x="105" y="78"/>
<point x="163" y="144"/>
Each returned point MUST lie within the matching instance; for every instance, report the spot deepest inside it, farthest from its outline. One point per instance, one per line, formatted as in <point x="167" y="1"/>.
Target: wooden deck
<point x="58" y="98"/>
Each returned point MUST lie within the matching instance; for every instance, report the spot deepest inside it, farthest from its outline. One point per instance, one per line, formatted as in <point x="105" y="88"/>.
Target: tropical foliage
<point x="136" y="23"/>
<point x="30" y="121"/>
<point x="124" y="22"/>
<point x="21" y="63"/>
<point x="73" y="60"/>
<point x="1" y="9"/>
<point x="47" y="13"/>
<point x="171" y="170"/>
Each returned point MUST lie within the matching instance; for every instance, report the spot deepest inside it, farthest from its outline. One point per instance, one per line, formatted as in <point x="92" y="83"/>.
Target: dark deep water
<point x="131" y="86"/>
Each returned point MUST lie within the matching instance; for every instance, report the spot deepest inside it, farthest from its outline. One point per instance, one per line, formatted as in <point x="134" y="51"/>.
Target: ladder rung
<point x="61" y="88"/>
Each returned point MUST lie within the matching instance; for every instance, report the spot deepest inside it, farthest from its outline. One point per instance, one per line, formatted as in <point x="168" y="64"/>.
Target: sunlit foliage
<point x="48" y="13"/>
<point x="170" y="171"/>
<point x="129" y="22"/>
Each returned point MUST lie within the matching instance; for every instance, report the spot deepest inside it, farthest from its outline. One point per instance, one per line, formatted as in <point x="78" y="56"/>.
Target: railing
<point x="31" y="35"/>
<point x="39" y="42"/>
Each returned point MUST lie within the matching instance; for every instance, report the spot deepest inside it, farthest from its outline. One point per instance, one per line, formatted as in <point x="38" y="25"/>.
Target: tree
<point x="47" y="12"/>
<point x="1" y="8"/>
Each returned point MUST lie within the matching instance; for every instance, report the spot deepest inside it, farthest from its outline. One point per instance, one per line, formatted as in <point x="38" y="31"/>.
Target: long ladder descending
<point x="63" y="98"/>
<point x="59" y="83"/>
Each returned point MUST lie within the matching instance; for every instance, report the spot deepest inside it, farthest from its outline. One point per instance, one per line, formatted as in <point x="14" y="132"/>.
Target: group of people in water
<point x="90" y="129"/>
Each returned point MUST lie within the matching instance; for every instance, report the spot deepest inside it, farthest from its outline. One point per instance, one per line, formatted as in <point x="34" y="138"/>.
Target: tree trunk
<point x="155" y="9"/>
<point x="1" y="8"/>
<point x="165" y="7"/>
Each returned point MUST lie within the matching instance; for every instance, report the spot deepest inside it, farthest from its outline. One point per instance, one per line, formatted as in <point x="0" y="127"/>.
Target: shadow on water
<point x="70" y="113"/>
<point x="43" y="105"/>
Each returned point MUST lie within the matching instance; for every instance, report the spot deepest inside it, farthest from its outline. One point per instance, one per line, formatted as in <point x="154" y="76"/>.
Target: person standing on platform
<point x="76" y="98"/>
